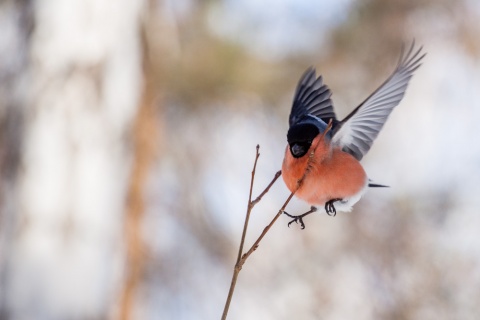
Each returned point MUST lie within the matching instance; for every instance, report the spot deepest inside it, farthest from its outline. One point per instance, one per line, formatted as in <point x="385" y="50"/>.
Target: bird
<point x="322" y="158"/>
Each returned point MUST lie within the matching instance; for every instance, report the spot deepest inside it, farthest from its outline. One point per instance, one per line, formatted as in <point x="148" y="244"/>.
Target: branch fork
<point x="242" y="257"/>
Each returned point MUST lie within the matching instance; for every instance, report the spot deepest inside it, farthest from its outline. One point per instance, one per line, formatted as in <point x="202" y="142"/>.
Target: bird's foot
<point x="300" y="217"/>
<point x="330" y="208"/>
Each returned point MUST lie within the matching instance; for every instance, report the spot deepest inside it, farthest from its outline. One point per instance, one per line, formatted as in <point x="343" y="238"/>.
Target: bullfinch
<point x="322" y="158"/>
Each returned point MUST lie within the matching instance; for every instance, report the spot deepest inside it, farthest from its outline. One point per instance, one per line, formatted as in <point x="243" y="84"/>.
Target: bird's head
<point x="301" y="136"/>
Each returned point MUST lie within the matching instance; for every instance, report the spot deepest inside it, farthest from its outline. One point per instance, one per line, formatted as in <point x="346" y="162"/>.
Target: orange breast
<point x="332" y="174"/>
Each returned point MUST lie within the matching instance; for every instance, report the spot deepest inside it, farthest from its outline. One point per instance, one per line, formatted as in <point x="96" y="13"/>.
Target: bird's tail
<point x="376" y="185"/>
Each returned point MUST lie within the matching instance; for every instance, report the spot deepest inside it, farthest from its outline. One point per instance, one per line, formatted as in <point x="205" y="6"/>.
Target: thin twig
<point x="242" y="258"/>
<point x="237" y="269"/>
<point x="240" y="261"/>
<point x="249" y="206"/>
<point x="256" y="243"/>
<point x="257" y="200"/>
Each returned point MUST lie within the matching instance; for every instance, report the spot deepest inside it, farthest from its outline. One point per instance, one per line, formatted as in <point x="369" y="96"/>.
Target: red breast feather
<point x="332" y="173"/>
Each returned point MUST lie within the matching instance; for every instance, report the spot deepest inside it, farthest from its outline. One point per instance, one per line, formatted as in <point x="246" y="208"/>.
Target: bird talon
<point x="296" y="219"/>
<point x="299" y="218"/>
<point x="330" y="208"/>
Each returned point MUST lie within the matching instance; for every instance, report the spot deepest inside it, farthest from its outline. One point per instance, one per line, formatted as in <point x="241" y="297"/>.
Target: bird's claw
<point x="296" y="220"/>
<point x="299" y="218"/>
<point x="330" y="208"/>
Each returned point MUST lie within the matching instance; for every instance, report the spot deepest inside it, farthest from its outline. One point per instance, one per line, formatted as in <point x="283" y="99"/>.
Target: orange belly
<point x="337" y="175"/>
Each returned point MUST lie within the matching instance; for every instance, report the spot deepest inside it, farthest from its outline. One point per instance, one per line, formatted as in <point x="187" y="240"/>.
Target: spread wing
<point x="312" y="97"/>
<point x="356" y="133"/>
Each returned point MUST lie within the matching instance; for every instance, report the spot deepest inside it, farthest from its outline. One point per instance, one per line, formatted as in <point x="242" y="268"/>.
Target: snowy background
<point x="128" y="134"/>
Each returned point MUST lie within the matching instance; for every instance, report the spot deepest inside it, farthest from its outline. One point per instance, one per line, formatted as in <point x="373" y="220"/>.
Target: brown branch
<point x="249" y="206"/>
<point x="241" y="259"/>
<point x="282" y="209"/>
<point x="236" y="270"/>
<point x="257" y="200"/>
<point x="264" y="232"/>
<point x="145" y="127"/>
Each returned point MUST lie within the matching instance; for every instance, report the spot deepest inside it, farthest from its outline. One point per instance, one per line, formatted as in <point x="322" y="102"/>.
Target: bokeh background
<point x="127" y="137"/>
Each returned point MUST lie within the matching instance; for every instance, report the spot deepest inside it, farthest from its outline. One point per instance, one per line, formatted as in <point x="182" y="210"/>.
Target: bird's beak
<point x="296" y="149"/>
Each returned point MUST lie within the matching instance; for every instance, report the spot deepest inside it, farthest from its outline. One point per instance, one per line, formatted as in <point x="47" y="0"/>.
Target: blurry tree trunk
<point x="145" y="131"/>
<point x="86" y="75"/>
<point x="15" y="23"/>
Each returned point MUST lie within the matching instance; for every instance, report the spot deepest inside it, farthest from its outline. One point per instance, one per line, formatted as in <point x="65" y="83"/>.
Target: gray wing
<point x="356" y="133"/>
<point x="312" y="97"/>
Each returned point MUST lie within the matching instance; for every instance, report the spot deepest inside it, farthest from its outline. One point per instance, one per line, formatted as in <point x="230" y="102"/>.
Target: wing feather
<point x="355" y="134"/>
<point x="312" y="97"/>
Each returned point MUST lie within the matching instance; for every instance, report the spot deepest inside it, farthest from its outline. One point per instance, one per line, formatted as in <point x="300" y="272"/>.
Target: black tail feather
<point x="376" y="185"/>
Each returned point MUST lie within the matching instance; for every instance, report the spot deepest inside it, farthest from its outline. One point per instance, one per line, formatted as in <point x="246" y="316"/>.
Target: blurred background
<point x="127" y="137"/>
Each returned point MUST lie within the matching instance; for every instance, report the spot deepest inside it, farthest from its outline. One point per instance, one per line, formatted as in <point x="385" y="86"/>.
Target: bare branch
<point x="242" y="258"/>
<point x="264" y="232"/>
<point x="277" y="175"/>
<point x="249" y="206"/>
<point x="237" y="268"/>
